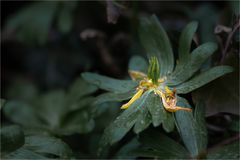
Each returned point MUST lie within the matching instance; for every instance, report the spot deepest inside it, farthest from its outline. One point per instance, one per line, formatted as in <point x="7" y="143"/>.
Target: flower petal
<point x="136" y="75"/>
<point x="177" y="108"/>
<point x="133" y="99"/>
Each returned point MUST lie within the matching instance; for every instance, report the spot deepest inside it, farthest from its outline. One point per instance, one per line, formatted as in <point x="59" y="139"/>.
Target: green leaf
<point x="192" y="129"/>
<point x="230" y="151"/>
<point x="185" y="42"/>
<point x="156" y="43"/>
<point x="124" y="152"/>
<point x="51" y="108"/>
<point x="44" y="11"/>
<point x="168" y="122"/>
<point x="122" y="124"/>
<point x="83" y="103"/>
<point x="76" y="122"/>
<point x="65" y="17"/>
<point x="47" y="145"/>
<point x="81" y="88"/>
<point x="2" y="103"/>
<point x="143" y="120"/>
<point x="158" y="145"/>
<point x="56" y="112"/>
<point x="156" y="109"/>
<point x="138" y="63"/>
<point x="235" y="125"/>
<point x="109" y="97"/>
<point x="24" y="154"/>
<point x="203" y="78"/>
<point x="41" y="147"/>
<point x="235" y="7"/>
<point x="12" y="138"/>
<point x="197" y="58"/>
<point x="199" y="116"/>
<point x="22" y="90"/>
<point x="21" y="113"/>
<point x="207" y="16"/>
<point x="214" y="93"/>
<point x="109" y="84"/>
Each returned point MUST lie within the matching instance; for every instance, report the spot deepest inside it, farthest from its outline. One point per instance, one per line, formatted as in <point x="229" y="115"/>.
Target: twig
<point x="236" y="26"/>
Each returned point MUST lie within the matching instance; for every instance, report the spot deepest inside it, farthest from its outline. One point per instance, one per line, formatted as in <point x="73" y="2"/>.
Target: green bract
<point x="149" y="108"/>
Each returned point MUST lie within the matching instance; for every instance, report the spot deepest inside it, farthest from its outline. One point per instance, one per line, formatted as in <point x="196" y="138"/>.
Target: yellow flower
<point x="167" y="95"/>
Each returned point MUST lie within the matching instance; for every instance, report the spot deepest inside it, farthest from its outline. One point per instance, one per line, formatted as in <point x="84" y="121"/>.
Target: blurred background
<point x="46" y="45"/>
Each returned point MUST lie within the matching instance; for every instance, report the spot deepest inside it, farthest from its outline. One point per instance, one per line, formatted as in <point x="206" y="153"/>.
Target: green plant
<point x="16" y="145"/>
<point x="157" y="145"/>
<point x="33" y="23"/>
<point x="154" y="88"/>
<point x="56" y="112"/>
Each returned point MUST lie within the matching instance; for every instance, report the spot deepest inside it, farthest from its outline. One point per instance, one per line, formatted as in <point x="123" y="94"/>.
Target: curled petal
<point x="136" y="75"/>
<point x="133" y="99"/>
<point x="177" y="108"/>
<point x="169" y="102"/>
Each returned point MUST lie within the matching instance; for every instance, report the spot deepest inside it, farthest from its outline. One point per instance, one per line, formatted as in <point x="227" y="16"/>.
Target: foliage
<point x="180" y="101"/>
<point x="149" y="108"/>
<point x="157" y="145"/>
<point x="56" y="112"/>
<point x="15" y="145"/>
<point x="26" y="32"/>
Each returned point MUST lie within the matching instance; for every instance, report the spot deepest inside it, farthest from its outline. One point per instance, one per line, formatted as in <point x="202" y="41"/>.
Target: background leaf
<point x="2" y="103"/>
<point x="24" y="154"/>
<point x="56" y="112"/>
<point x="44" y="11"/>
<point x="215" y="92"/>
<point x="12" y="138"/>
<point x="46" y="144"/>
<point x="41" y="147"/>
<point x="230" y="151"/>
<point x="21" y="113"/>
<point x="79" y="89"/>
<point x="51" y="108"/>
<point x="76" y="122"/>
<point x="65" y="17"/>
<point x="125" y="151"/>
